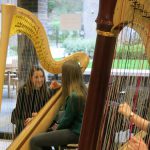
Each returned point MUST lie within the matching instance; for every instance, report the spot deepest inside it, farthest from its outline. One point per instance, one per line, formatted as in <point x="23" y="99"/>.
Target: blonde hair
<point x="72" y="80"/>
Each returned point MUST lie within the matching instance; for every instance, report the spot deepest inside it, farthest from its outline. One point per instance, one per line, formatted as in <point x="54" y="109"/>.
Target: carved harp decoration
<point x="16" y="20"/>
<point x="98" y="133"/>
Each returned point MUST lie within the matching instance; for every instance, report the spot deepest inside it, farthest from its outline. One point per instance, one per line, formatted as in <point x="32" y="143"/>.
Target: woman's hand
<point x="125" y="109"/>
<point x="54" y="127"/>
<point x="137" y="144"/>
<point x="55" y="85"/>
<point x="27" y="121"/>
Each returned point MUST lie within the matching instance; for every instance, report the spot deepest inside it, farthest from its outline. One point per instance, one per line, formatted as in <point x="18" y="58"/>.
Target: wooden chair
<point x="11" y="77"/>
<point x="69" y="147"/>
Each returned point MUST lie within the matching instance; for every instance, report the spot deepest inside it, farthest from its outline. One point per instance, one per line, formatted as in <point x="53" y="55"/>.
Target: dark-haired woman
<point x="32" y="96"/>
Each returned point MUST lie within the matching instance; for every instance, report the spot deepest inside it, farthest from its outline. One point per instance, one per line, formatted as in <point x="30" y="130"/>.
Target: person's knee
<point x="33" y="142"/>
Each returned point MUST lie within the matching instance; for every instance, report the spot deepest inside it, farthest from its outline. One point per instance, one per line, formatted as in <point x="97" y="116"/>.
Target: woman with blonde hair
<point x="74" y="92"/>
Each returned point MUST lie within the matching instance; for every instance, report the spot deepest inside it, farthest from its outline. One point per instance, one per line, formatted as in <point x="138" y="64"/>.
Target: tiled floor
<point x="5" y="116"/>
<point x="4" y="144"/>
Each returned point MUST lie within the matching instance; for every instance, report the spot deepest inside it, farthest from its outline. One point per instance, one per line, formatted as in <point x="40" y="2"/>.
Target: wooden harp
<point x="98" y="130"/>
<point x="17" y="20"/>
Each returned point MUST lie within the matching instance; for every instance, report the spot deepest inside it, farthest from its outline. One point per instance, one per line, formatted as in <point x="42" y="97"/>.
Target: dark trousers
<point x="53" y="138"/>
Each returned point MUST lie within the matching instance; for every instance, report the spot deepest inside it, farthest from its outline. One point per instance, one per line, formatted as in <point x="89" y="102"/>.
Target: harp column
<point x="7" y="16"/>
<point x="102" y="61"/>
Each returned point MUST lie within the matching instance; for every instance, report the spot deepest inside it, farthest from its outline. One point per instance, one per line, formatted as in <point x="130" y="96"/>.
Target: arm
<point x="70" y="112"/>
<point x="125" y="109"/>
<point x="137" y="144"/>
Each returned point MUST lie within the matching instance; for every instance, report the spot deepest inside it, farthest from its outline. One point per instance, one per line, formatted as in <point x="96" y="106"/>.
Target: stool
<point x="72" y="146"/>
<point x="69" y="147"/>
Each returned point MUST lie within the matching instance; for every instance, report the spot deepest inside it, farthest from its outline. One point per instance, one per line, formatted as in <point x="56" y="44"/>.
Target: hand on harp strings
<point x="135" y="143"/>
<point x="140" y="122"/>
<point x="28" y="120"/>
<point x="125" y="109"/>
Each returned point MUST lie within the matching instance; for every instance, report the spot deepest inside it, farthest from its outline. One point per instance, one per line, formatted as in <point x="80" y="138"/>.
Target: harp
<point x="107" y="83"/>
<point x="16" y="20"/>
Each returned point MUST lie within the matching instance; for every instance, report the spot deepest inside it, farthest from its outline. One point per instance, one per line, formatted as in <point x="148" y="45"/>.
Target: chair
<point x="69" y="147"/>
<point x="11" y="77"/>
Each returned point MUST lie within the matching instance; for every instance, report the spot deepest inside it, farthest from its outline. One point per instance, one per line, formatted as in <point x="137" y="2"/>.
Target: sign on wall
<point x="70" y="21"/>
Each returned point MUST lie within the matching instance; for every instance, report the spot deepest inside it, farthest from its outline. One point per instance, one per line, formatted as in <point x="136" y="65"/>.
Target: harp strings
<point x="24" y="22"/>
<point x="130" y="80"/>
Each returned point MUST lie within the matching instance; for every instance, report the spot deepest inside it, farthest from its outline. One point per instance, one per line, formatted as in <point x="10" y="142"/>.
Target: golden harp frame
<point x="17" y="20"/>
